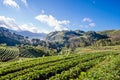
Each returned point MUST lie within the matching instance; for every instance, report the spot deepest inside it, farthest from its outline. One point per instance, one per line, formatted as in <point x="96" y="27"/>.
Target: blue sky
<point x="51" y="15"/>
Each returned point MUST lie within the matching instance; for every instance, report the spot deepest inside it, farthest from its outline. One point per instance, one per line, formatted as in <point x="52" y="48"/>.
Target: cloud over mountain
<point x="53" y="22"/>
<point x="10" y="23"/>
<point x="87" y="23"/>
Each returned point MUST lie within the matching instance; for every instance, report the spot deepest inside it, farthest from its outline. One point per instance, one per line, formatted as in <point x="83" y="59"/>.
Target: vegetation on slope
<point x="10" y="38"/>
<point x="74" y="38"/>
<point x="9" y="53"/>
<point x="64" y="67"/>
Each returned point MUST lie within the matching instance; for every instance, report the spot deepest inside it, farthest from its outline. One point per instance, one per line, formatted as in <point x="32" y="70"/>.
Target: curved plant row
<point x="8" y="53"/>
<point x="64" y="67"/>
<point x="58" y="68"/>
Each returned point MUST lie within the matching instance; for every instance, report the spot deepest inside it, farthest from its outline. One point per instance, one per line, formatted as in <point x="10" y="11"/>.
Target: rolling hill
<point x="10" y="38"/>
<point x="113" y="34"/>
<point x="75" y="38"/>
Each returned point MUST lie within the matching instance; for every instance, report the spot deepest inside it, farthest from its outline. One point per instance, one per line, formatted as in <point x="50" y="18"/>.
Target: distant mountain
<point x="74" y="38"/>
<point x="113" y="34"/>
<point x="11" y="38"/>
<point x="109" y="32"/>
<point x="56" y="39"/>
<point x="69" y="35"/>
<point x="59" y="36"/>
<point x="31" y="35"/>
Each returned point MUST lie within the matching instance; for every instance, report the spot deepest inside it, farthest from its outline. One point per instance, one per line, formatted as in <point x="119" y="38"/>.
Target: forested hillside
<point x="75" y="38"/>
<point x="11" y="38"/>
<point x="53" y="40"/>
<point x="113" y="38"/>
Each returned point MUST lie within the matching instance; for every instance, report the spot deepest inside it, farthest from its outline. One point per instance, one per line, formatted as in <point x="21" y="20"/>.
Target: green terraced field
<point x="7" y="53"/>
<point x="85" y="66"/>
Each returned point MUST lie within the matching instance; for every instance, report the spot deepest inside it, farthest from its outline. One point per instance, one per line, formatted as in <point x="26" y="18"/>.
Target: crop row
<point x="8" y="53"/>
<point x="28" y="64"/>
<point x="72" y="73"/>
<point x="53" y="67"/>
<point x="107" y="70"/>
<point x="22" y="72"/>
<point x="58" y="68"/>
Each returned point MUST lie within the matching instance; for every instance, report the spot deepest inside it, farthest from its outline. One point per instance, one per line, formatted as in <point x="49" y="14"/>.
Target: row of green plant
<point x="8" y="53"/>
<point x="20" y="65"/>
<point x="27" y="70"/>
<point x="58" y="68"/>
<point x="109" y="69"/>
<point x="63" y="67"/>
<point x="72" y="73"/>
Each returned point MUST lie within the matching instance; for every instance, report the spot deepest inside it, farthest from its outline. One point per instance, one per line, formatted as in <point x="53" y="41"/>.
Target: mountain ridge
<point x="28" y="34"/>
<point x="59" y="38"/>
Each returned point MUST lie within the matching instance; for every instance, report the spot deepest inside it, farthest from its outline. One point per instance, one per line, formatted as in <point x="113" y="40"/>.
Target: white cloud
<point x="11" y="24"/>
<point x="52" y="22"/>
<point x="11" y="3"/>
<point x="92" y="24"/>
<point x="30" y="27"/>
<point x="87" y="20"/>
<point x="89" y="23"/>
<point x="25" y="2"/>
<point x="8" y="23"/>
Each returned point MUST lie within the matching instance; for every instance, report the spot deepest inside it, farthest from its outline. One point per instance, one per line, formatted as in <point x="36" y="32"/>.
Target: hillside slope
<point x="10" y="38"/>
<point x="109" y="32"/>
<point x="74" y="38"/>
<point x="113" y="34"/>
<point x="8" y="53"/>
<point x="84" y="66"/>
